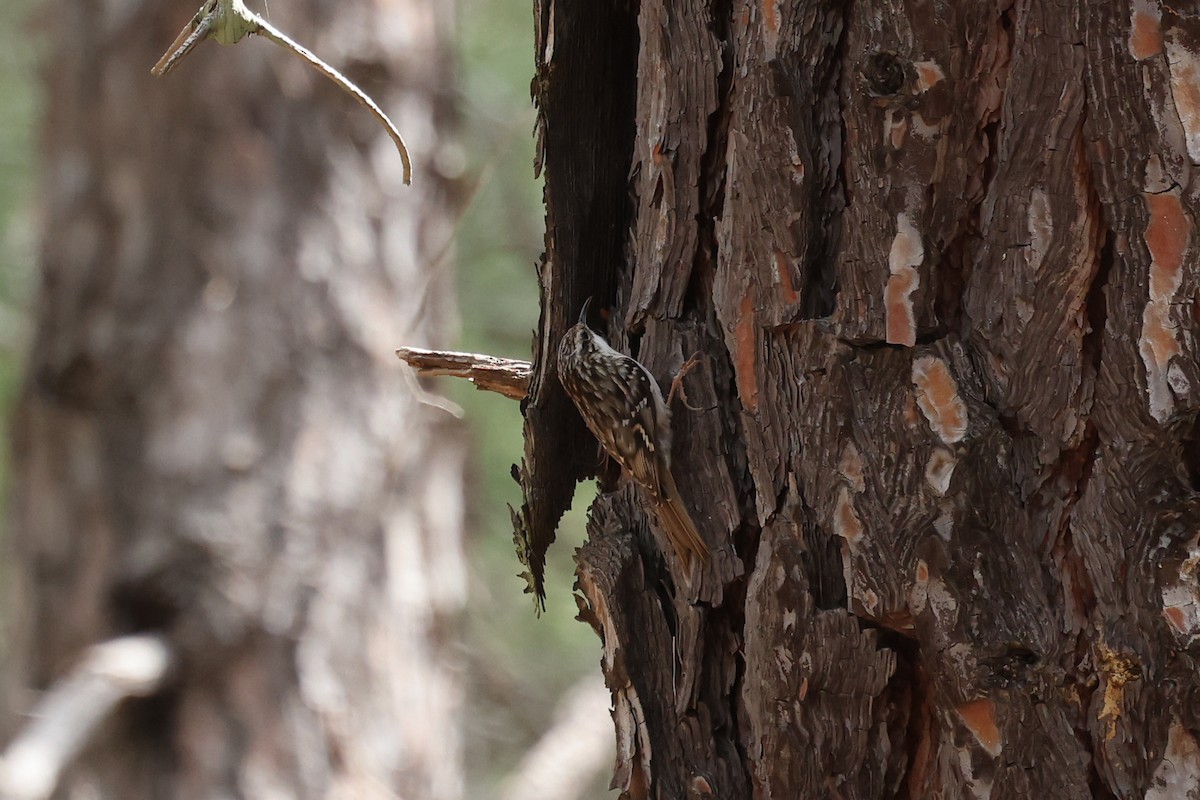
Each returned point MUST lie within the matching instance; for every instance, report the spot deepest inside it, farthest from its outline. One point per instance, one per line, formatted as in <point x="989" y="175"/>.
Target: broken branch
<point x="506" y="376"/>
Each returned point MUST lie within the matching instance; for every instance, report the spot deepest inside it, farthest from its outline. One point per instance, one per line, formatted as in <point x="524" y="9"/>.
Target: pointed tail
<point x="680" y="529"/>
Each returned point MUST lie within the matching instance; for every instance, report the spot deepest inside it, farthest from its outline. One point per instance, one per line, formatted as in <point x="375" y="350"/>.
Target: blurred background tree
<point x="515" y="670"/>
<point x="19" y="96"/>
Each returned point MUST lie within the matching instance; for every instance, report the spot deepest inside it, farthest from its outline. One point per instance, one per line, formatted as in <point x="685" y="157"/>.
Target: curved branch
<point x="230" y="21"/>
<point x="71" y="711"/>
<point x="280" y="38"/>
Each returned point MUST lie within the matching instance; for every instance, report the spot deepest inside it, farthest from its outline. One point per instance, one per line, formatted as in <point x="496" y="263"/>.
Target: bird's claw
<point x="677" y="382"/>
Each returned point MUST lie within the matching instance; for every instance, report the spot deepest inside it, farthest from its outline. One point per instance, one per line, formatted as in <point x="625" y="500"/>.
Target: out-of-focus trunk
<point x="214" y="441"/>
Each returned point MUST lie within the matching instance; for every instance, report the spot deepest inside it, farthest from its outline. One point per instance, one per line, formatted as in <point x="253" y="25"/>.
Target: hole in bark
<point x="825" y="574"/>
<point x="1010" y="667"/>
<point x="153" y="599"/>
<point x="74" y="386"/>
<point x="884" y="74"/>
<point x="1097" y="305"/>
<point x="909" y="722"/>
<point x="1191" y="455"/>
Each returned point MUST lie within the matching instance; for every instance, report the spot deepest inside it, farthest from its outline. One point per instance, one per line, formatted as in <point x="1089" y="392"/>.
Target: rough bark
<point x="941" y="261"/>
<point x="214" y="441"/>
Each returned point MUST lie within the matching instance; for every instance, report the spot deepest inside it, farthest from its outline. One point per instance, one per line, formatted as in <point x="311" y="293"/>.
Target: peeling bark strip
<point x="586" y="60"/>
<point x="1167" y="236"/>
<point x="906" y="255"/>
<point x="937" y="395"/>
<point x="943" y="270"/>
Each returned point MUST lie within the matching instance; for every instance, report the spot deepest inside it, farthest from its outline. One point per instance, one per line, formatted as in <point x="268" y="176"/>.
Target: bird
<point x="623" y="407"/>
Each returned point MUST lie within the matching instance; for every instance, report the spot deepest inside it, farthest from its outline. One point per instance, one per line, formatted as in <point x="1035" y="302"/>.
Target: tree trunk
<point x="940" y="263"/>
<point x="214" y="442"/>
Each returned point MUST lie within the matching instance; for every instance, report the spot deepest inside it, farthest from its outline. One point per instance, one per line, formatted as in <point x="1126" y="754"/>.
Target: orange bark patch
<point x="771" y="15"/>
<point x="929" y="74"/>
<point x="906" y="254"/>
<point x="770" y="27"/>
<point x="868" y="602"/>
<point x="747" y="353"/>
<point x="940" y="469"/>
<point x="846" y="523"/>
<point x="784" y="267"/>
<point x="1175" y="618"/>
<point x="980" y="718"/>
<point x="1181" y="607"/>
<point x="937" y="396"/>
<point x="797" y="169"/>
<point x="901" y="324"/>
<point x="897" y="129"/>
<point x="1145" y="31"/>
<point x="1167" y="235"/>
<point x="910" y="413"/>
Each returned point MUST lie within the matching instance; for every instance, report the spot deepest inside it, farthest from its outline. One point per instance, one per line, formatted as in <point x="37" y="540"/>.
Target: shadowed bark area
<point x="941" y="266"/>
<point x="589" y="92"/>
<point x="214" y="442"/>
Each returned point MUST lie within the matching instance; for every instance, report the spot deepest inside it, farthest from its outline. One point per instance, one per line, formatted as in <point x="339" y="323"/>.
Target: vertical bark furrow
<point x="679" y="61"/>
<point x="782" y="112"/>
<point x="698" y="431"/>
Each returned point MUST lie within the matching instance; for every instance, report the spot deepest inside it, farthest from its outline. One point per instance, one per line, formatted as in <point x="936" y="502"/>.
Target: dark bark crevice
<point x="910" y="704"/>
<point x="585" y="94"/>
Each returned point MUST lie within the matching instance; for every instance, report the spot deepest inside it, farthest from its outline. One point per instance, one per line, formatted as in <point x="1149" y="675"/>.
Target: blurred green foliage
<point x="519" y="665"/>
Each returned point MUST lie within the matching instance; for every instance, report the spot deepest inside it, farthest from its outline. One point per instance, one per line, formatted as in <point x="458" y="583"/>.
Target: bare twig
<point x="230" y="21"/>
<point x="71" y="710"/>
<point x="506" y="376"/>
